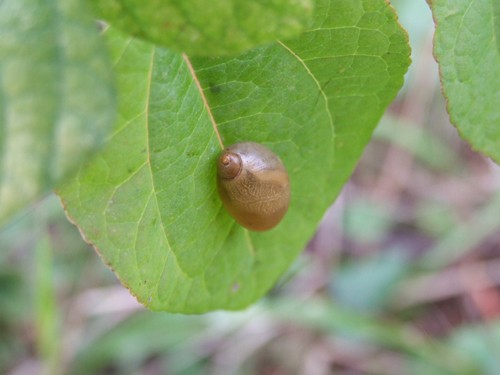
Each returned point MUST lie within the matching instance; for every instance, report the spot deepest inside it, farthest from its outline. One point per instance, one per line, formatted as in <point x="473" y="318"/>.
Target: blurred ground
<point x="401" y="278"/>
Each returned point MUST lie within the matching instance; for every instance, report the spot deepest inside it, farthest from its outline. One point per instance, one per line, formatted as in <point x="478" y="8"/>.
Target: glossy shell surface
<point x="253" y="185"/>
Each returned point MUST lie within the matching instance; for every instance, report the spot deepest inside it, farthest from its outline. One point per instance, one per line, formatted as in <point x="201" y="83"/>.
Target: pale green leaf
<point x="367" y="285"/>
<point x="216" y="27"/>
<point x="467" y="47"/>
<point x="149" y="202"/>
<point x="56" y="96"/>
<point x="481" y="343"/>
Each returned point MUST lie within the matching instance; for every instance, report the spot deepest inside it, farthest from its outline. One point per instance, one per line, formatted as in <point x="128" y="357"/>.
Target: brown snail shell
<point x="253" y="185"/>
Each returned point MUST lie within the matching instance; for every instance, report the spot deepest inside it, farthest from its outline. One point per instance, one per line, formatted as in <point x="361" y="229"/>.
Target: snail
<point x="253" y="185"/>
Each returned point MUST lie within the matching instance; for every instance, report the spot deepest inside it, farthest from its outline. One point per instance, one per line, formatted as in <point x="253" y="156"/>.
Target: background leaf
<point x="119" y="345"/>
<point x="481" y="343"/>
<point x="367" y="286"/>
<point x="149" y="202"/>
<point x="56" y="96"/>
<point x="467" y="47"/>
<point x="431" y="356"/>
<point x="209" y="29"/>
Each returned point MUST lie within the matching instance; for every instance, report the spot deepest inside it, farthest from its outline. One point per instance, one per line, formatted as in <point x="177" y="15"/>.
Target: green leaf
<point x="212" y="28"/>
<point x="467" y="48"/>
<point x="56" y="98"/>
<point x="149" y="202"/>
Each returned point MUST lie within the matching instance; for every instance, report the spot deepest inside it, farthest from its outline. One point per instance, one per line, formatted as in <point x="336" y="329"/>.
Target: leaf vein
<point x="315" y="80"/>
<point x="148" y="151"/>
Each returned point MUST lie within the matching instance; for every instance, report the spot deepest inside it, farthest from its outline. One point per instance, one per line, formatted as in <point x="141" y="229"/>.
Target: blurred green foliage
<point x="350" y="305"/>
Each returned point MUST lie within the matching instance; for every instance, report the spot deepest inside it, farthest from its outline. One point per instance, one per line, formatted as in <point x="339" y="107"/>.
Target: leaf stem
<point x="205" y="102"/>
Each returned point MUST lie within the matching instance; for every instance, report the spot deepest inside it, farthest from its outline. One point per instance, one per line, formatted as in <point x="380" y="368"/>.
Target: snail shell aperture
<point x="253" y="185"/>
